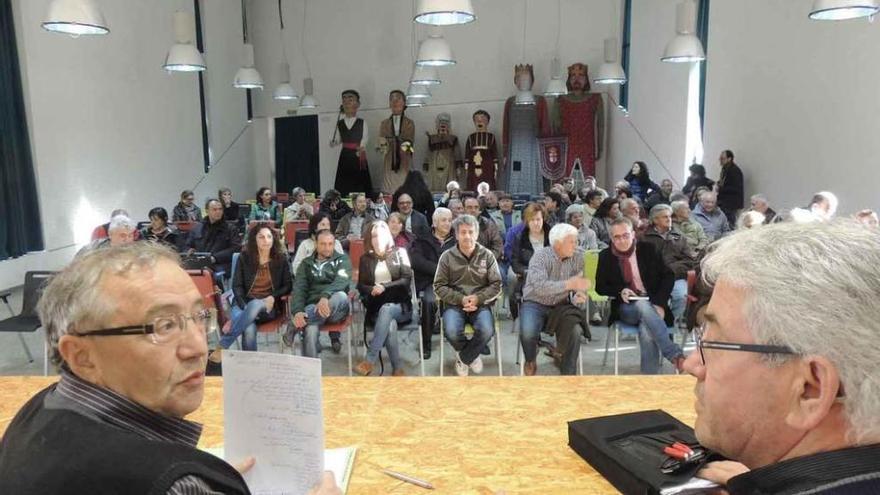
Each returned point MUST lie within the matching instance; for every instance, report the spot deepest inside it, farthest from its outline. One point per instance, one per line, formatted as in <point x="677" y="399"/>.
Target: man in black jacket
<point x="730" y="187"/>
<point x="634" y="275"/>
<point x="424" y="254"/>
<point x="213" y="235"/>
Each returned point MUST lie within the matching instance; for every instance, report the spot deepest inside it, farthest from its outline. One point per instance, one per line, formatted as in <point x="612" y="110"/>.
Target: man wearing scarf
<point x="396" y="137"/>
<point x="635" y="276"/>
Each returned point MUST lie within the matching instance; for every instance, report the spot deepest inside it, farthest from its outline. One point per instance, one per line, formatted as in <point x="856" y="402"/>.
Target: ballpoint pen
<point x="408" y="479"/>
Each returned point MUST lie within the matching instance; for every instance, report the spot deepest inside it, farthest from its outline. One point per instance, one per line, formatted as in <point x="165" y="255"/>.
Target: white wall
<point x="366" y="45"/>
<point x="111" y="129"/>
<point x="796" y="100"/>
<point x="657" y="100"/>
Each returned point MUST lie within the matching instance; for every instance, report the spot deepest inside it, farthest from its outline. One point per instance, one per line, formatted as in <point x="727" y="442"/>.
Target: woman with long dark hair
<point x="261" y="278"/>
<point x="384" y="279"/>
<point x="417" y="188"/>
<point x="231" y="212"/>
<point x="607" y="212"/>
<point x="640" y="183"/>
<point x="696" y="180"/>
<point x="533" y="237"/>
<point x="266" y="209"/>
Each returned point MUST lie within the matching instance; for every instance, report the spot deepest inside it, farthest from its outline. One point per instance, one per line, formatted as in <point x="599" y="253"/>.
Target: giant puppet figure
<point x="443" y="160"/>
<point x="396" y="135"/>
<point x="481" y="154"/>
<point x="525" y="120"/>
<point x="352" y="173"/>
<point x="581" y="117"/>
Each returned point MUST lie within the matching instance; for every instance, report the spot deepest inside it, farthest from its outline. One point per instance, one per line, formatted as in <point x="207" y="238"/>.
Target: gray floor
<point x="13" y="360"/>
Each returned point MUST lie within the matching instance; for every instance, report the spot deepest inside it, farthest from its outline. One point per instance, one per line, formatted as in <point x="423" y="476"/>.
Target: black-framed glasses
<point x="731" y="346"/>
<point x="163" y="330"/>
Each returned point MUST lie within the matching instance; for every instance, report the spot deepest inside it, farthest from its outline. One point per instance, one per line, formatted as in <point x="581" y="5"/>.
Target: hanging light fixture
<point x="685" y="47"/>
<point x="247" y="76"/>
<point x="75" y="17"/>
<point x="183" y="55"/>
<point x="308" y="100"/>
<point x="285" y="91"/>
<point x="610" y="72"/>
<point x="556" y="86"/>
<point x="435" y="51"/>
<point x="418" y="91"/>
<point x="841" y="10"/>
<point x="416" y="102"/>
<point x="425" y="75"/>
<point x="444" y="12"/>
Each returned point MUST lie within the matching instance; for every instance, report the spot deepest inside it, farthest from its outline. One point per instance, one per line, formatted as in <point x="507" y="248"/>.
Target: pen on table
<point x="408" y="479"/>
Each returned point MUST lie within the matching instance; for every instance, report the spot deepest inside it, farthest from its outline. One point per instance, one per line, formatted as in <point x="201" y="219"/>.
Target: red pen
<point x="675" y="453"/>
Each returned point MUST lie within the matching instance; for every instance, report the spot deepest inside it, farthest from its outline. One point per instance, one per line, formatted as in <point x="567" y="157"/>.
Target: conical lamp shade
<point x="75" y="17"/>
<point x="285" y="90"/>
<point x="183" y="55"/>
<point x="425" y="75"/>
<point x="444" y="12"/>
<point x="308" y="101"/>
<point x="247" y="76"/>
<point x="840" y="10"/>
<point x="610" y="72"/>
<point x="435" y="51"/>
<point x="685" y="47"/>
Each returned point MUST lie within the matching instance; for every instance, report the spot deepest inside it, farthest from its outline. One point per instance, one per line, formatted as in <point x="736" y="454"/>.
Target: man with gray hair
<point x="424" y="253"/>
<point x="676" y="253"/>
<point x="456" y="207"/>
<point x="574" y="216"/>
<point x="120" y="231"/>
<point x="710" y="217"/>
<point x="761" y="205"/>
<point x="555" y="286"/>
<point x="786" y="365"/>
<point x="467" y="282"/>
<point x="691" y="230"/>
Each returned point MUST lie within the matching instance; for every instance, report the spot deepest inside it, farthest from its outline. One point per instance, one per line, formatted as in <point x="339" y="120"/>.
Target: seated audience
<point x="531" y="239"/>
<point x="453" y="191"/>
<point x="691" y="230"/>
<point x="100" y="232"/>
<point x="640" y="183"/>
<point x="354" y="224"/>
<point x="637" y="279"/>
<point x="565" y="201"/>
<point x="186" y="210"/>
<point x="761" y="205"/>
<point x="568" y="189"/>
<point x="505" y="216"/>
<point x="114" y="421"/>
<point x="320" y="293"/>
<point x="822" y="208"/>
<point x="333" y="205"/>
<point x="676" y="253"/>
<point x="800" y="408"/>
<point x="414" y="221"/>
<point x="660" y="196"/>
<point x="607" y="212"/>
<point x="630" y="209"/>
<point x="574" y="216"/>
<point x="377" y="208"/>
<point x="554" y="289"/>
<point x="319" y="221"/>
<point x="710" y="217"/>
<point x="213" y="235"/>
<point x="467" y="282"/>
<point x="553" y="207"/>
<point x="424" y="255"/>
<point x="265" y="209"/>
<point x="868" y="218"/>
<point x="159" y="230"/>
<point x="456" y="207"/>
<point x="749" y="219"/>
<point x="299" y="209"/>
<point x="489" y="237"/>
<point x="231" y="211"/>
<point x="489" y="204"/>
<point x="121" y="231"/>
<point x="399" y="234"/>
<point x="592" y="200"/>
<point x="622" y="190"/>
<point x="260" y="280"/>
<point x="419" y="193"/>
<point x="696" y="180"/>
<point x="384" y="279"/>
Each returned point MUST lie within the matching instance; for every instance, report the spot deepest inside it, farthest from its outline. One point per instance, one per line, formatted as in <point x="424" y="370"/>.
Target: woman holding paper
<point x="384" y="280"/>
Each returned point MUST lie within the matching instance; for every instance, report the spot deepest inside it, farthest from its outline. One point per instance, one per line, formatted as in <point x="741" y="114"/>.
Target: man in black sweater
<point x="213" y="235"/>
<point x="730" y="187"/>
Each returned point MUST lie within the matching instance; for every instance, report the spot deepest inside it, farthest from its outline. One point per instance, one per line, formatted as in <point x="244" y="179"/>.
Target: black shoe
<point x="485" y="351"/>
<point x="214" y="369"/>
<point x="336" y="345"/>
<point x="426" y="354"/>
<point x="288" y="337"/>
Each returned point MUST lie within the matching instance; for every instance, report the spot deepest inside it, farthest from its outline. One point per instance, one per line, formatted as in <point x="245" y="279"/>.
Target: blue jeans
<point x="384" y="337"/>
<point x="504" y="267"/>
<point x="678" y="298"/>
<point x="454" y="320"/>
<point x="339" y="309"/>
<point x="244" y="323"/>
<point x="653" y="335"/>
<point x="531" y="320"/>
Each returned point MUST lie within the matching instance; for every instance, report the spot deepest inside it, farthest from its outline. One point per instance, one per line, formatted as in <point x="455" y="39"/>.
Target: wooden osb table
<point x="474" y="435"/>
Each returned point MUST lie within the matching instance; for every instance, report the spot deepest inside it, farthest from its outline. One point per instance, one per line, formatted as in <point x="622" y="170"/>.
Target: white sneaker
<point x="461" y="369"/>
<point x="477" y="365"/>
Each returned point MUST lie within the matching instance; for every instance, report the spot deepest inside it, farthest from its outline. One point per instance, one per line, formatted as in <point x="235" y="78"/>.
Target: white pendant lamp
<point x="425" y="75"/>
<point x="444" y="12"/>
<point x="308" y="100"/>
<point x="285" y="90"/>
<point x="435" y="51"/>
<point x="556" y="86"/>
<point x="183" y="55"/>
<point x="841" y="10"/>
<point x="75" y="17"/>
<point x="685" y="47"/>
<point x="418" y="91"/>
<point x="247" y="76"/>
<point x="416" y="102"/>
<point x="610" y="72"/>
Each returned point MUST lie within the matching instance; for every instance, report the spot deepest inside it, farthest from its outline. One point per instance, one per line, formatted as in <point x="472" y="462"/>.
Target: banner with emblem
<point x="553" y="156"/>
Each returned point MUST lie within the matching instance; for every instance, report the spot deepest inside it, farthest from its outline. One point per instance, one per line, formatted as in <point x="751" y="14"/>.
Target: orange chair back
<point x="184" y="226"/>
<point x="204" y="281"/>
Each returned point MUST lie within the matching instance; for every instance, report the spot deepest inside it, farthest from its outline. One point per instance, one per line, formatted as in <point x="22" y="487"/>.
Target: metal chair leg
<point x="421" y="350"/>
<point x="607" y="344"/>
<point x="26" y="349"/>
<point x="45" y="358"/>
<point x="498" y="347"/>
<point x="349" y="350"/>
<point x="616" y="348"/>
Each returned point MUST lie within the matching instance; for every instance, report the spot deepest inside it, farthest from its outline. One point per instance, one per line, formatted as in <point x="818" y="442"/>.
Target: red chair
<point x="343" y="326"/>
<point x="290" y="230"/>
<point x="355" y="251"/>
<point x="100" y="232"/>
<point x="204" y="280"/>
<point x="185" y="226"/>
<point x="282" y="197"/>
<point x="279" y="324"/>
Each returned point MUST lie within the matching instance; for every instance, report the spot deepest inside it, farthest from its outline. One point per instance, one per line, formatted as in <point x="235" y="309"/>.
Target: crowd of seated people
<point x="460" y="250"/>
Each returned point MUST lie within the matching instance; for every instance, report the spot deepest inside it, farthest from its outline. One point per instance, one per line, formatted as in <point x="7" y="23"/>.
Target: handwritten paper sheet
<point x="273" y="412"/>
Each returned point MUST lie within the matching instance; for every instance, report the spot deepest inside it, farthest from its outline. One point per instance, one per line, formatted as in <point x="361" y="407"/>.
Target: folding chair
<point x="413" y="326"/>
<point x="28" y="321"/>
<point x="185" y="226"/>
<point x="469" y="330"/>
<point x="343" y="326"/>
<point x="290" y="230"/>
<point x="355" y="251"/>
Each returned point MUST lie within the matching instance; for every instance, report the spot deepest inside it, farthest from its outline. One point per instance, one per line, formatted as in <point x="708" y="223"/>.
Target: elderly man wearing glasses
<point x="787" y="374"/>
<point x="127" y="329"/>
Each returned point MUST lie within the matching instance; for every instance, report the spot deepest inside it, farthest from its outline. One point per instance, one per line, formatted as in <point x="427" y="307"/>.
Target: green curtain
<point x="20" y="229"/>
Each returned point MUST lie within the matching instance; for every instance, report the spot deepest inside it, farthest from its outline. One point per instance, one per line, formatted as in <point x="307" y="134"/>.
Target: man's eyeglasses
<point x="163" y="330"/>
<point x="730" y="346"/>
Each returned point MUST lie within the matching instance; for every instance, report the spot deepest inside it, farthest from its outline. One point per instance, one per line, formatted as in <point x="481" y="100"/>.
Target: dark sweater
<point x="424" y="254"/>
<point x="396" y="291"/>
<point x="246" y="273"/>
<point x="656" y="276"/>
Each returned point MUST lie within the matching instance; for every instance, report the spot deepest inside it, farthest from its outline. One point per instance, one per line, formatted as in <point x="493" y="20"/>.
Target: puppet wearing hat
<point x="443" y="161"/>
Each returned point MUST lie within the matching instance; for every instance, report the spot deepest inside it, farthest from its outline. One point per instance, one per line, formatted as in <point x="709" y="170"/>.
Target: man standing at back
<point x="730" y="187"/>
